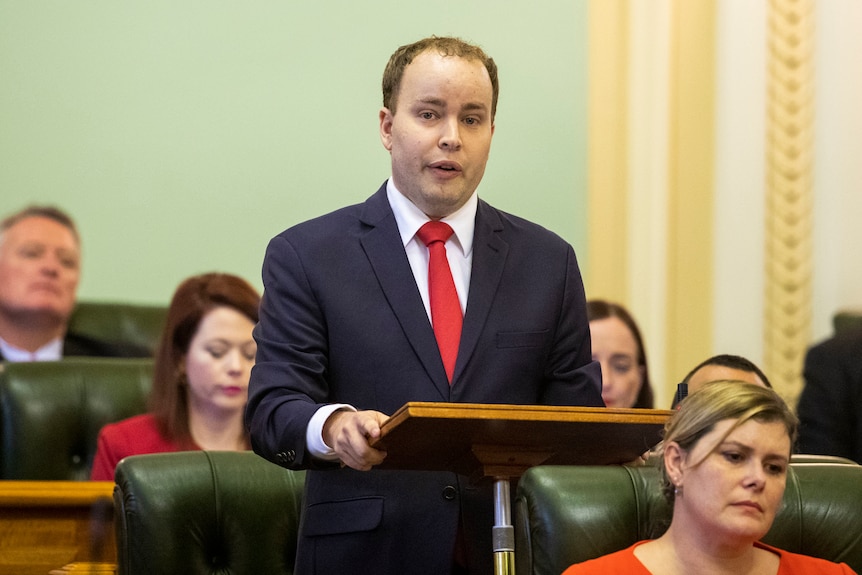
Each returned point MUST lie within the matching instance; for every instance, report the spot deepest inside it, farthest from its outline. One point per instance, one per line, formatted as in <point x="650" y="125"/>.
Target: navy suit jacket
<point x="342" y="320"/>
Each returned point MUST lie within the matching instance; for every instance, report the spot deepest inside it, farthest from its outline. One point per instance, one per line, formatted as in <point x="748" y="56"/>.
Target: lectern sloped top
<point x="505" y="440"/>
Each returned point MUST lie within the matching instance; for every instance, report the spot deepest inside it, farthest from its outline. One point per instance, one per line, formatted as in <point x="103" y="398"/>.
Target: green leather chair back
<point x="206" y="512"/>
<point x="566" y="515"/>
<point x="51" y="412"/>
<point x="136" y="324"/>
<point x="818" y="458"/>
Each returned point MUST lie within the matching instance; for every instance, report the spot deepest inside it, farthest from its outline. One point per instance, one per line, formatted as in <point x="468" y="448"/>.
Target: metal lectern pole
<point x="503" y="531"/>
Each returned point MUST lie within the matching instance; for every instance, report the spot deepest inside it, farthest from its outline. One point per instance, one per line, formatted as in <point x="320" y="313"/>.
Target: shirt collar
<point x="410" y="218"/>
<point x="51" y="351"/>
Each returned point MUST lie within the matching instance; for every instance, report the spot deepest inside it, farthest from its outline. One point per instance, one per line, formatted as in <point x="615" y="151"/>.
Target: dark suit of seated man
<point x="40" y="266"/>
<point x="830" y="406"/>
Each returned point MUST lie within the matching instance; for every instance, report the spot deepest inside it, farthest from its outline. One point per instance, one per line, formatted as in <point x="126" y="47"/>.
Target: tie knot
<point x="434" y="232"/>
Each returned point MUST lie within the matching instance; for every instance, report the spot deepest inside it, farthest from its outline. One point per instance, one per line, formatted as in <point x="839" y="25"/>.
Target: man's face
<point x="39" y="268"/>
<point x="440" y="136"/>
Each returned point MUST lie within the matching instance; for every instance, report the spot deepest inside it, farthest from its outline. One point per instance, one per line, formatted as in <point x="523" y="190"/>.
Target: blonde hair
<point x="718" y="401"/>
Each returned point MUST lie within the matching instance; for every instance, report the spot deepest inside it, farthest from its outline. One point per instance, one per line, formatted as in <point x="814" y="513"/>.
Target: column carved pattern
<point x="789" y="169"/>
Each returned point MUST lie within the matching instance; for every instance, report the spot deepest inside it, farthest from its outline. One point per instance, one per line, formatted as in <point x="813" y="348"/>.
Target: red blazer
<point x="136" y="435"/>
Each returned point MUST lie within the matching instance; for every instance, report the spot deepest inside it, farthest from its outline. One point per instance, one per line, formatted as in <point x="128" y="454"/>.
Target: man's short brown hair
<point x="445" y="46"/>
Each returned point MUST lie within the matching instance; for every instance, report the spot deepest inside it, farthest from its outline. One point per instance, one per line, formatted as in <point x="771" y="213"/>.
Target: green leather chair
<point x="51" y="412"/>
<point x="206" y="512"/>
<point x="817" y="458"/>
<point x="566" y="515"/>
<point x="137" y="324"/>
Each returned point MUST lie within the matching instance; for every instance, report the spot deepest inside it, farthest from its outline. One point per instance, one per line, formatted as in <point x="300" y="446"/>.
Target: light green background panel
<point x="183" y="135"/>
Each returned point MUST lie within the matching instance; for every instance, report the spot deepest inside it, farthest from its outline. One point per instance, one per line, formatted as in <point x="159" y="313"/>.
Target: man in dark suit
<point x="40" y="257"/>
<point x="830" y="406"/>
<point x="345" y="335"/>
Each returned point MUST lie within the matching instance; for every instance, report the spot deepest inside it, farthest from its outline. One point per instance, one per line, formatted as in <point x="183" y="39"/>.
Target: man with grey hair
<point x="40" y="266"/>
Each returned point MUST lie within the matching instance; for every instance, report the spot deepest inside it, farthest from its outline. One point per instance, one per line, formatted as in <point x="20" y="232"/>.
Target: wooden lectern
<point x="503" y="441"/>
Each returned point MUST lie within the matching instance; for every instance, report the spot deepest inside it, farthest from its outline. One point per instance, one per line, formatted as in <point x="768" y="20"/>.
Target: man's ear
<point x="386" y="128"/>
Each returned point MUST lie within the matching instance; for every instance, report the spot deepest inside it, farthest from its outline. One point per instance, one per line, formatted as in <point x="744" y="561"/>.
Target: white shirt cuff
<point x="314" y="432"/>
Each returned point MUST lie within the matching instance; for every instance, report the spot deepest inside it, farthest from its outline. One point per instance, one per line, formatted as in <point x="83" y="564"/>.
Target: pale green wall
<point x="183" y="134"/>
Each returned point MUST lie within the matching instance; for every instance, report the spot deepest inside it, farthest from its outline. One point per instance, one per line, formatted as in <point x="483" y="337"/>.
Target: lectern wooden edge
<point x="501" y="442"/>
<point x="488" y="438"/>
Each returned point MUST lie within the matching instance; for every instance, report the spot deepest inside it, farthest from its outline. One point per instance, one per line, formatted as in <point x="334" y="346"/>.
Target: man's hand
<point x="641" y="461"/>
<point x="348" y="434"/>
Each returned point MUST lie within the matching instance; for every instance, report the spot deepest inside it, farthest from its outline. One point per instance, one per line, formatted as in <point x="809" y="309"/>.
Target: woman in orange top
<point x="724" y="466"/>
<point x="200" y="376"/>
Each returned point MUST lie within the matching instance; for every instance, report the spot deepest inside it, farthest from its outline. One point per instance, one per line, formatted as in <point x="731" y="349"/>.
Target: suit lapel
<point x="382" y="245"/>
<point x="489" y="257"/>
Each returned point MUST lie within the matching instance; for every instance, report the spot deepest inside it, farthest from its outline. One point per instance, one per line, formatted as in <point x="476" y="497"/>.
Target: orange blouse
<point x="624" y="562"/>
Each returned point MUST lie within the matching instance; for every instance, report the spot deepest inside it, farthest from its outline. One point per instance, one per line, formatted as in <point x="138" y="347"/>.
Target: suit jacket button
<point x="285" y="457"/>
<point x="449" y="493"/>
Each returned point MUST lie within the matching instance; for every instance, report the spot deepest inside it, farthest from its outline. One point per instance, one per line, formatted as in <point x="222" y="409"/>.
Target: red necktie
<point x="445" y="308"/>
